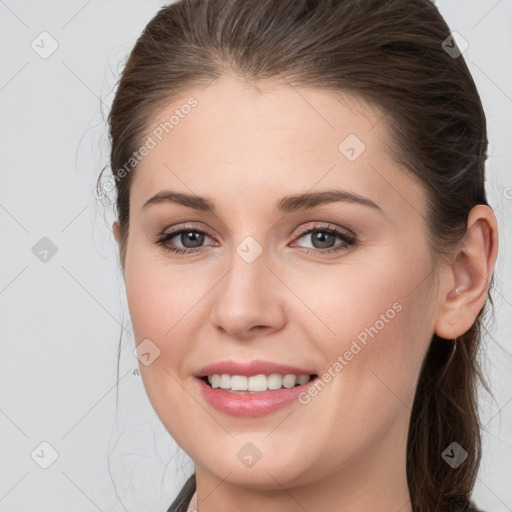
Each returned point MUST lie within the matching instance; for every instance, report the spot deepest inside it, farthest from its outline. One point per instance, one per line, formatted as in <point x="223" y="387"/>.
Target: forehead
<point x="268" y="141"/>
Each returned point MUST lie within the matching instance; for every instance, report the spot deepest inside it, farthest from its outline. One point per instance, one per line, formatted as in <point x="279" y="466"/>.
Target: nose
<point x="249" y="299"/>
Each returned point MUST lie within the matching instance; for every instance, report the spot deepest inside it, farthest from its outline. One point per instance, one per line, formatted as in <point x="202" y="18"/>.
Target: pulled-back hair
<point x="397" y="55"/>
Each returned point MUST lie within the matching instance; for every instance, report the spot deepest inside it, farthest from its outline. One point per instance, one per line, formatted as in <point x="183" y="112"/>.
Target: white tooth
<point x="257" y="383"/>
<point x="225" y="381"/>
<point x="239" y="383"/>
<point x="289" y="381"/>
<point x="302" y="379"/>
<point x="274" y="381"/>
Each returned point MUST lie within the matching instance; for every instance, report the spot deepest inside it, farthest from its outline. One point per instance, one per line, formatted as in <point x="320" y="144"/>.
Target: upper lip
<point x="250" y="368"/>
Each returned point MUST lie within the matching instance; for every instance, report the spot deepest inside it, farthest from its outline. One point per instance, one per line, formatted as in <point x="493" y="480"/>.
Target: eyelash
<point x="348" y="239"/>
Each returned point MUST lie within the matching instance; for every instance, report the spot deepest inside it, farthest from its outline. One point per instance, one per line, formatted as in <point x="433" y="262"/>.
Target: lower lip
<point x="251" y="404"/>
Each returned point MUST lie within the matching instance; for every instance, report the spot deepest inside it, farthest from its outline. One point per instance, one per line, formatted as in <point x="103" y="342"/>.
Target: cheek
<point x="161" y="306"/>
<point x="372" y="324"/>
<point x="160" y="297"/>
<point x="168" y="305"/>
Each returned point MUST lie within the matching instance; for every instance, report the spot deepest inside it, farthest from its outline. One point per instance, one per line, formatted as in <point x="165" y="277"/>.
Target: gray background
<point x="61" y="318"/>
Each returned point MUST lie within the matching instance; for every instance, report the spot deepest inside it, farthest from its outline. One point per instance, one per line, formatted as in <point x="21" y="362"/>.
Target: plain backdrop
<point x="62" y="298"/>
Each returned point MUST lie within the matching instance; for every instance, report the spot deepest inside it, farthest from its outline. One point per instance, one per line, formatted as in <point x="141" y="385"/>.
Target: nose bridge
<point x="248" y="253"/>
<point x="247" y="295"/>
<point x="247" y="280"/>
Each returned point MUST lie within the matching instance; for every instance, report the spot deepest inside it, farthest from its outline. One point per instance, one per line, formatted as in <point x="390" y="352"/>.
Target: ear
<point x="117" y="231"/>
<point x="469" y="273"/>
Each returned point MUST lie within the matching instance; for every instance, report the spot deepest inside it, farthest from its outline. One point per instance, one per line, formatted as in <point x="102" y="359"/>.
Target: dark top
<point x="180" y="504"/>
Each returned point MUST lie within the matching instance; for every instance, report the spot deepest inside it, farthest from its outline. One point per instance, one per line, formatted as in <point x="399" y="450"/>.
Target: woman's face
<point x="357" y="308"/>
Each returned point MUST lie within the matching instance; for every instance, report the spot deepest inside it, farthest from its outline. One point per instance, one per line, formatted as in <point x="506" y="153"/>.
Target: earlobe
<point x="470" y="274"/>
<point x="117" y="231"/>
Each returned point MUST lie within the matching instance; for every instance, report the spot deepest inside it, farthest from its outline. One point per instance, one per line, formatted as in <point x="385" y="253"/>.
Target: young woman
<point x="307" y="250"/>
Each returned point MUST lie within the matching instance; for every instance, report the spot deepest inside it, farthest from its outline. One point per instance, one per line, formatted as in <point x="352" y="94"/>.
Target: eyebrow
<point x="286" y="204"/>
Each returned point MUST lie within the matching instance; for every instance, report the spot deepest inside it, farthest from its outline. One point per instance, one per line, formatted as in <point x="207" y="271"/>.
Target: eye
<point x="191" y="239"/>
<point x="324" y="237"/>
<point x="189" y="236"/>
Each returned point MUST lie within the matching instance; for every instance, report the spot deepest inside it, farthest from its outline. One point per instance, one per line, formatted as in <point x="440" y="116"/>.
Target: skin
<point x="245" y="148"/>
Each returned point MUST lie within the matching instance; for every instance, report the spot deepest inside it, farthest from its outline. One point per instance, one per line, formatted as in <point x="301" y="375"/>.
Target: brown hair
<point x="393" y="54"/>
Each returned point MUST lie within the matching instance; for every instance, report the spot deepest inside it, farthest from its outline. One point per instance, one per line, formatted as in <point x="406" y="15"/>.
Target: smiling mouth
<point x="261" y="384"/>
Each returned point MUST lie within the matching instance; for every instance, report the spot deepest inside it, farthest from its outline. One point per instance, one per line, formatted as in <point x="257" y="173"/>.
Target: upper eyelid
<point x="310" y="226"/>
